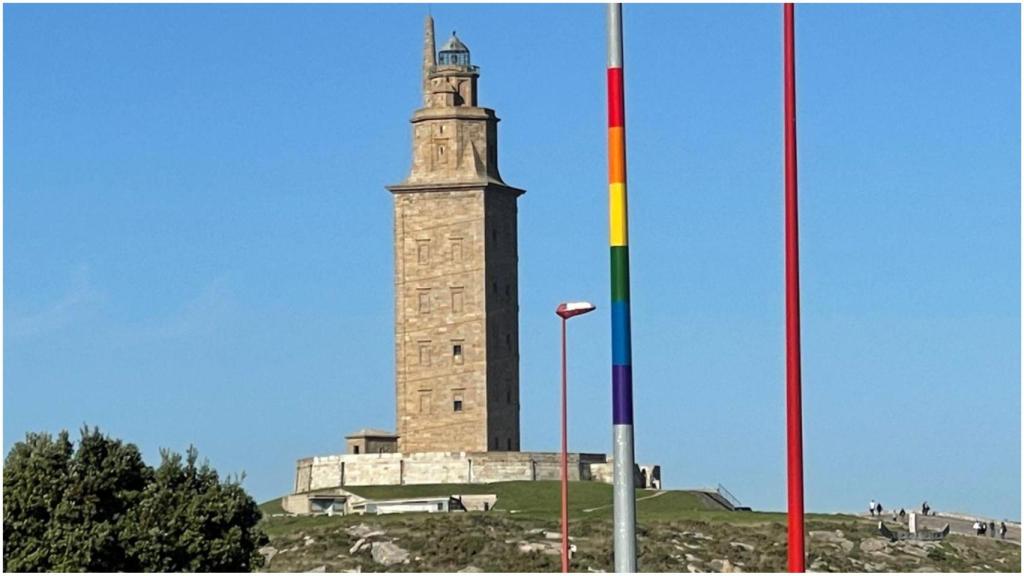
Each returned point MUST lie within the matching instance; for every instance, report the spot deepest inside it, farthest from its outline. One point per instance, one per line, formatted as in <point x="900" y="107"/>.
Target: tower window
<point x="457" y="353"/>
<point x="456" y="249"/>
<point x="423" y="251"/>
<point x="424" y="297"/>
<point x="457" y="403"/>
<point x="457" y="300"/>
<point x="425" y="354"/>
<point x="509" y="443"/>
<point x="508" y="342"/>
<point x="356" y="449"/>
<point x="495" y="442"/>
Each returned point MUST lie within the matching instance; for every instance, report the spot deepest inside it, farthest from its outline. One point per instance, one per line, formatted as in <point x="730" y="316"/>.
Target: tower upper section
<point x="455" y="141"/>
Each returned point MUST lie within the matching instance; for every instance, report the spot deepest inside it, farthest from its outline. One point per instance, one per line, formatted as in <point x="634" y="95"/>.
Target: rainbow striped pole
<point x="624" y="496"/>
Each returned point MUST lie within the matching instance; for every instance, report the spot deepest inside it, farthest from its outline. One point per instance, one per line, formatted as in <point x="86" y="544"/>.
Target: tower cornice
<point x="455" y="113"/>
<point x="486" y="185"/>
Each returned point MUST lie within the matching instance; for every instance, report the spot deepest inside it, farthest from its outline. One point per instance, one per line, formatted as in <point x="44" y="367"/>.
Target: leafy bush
<point x="100" y="508"/>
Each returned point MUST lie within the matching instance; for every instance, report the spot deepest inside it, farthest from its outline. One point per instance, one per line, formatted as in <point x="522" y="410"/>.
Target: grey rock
<point x="743" y="545"/>
<point x="362" y="530"/>
<point x="471" y="568"/>
<point x="355" y="547"/>
<point x="874" y="545"/>
<point x="268" y="553"/>
<point x="388" y="553"/>
<point x="320" y="568"/>
<point x="723" y="565"/>
<point x="835" y="537"/>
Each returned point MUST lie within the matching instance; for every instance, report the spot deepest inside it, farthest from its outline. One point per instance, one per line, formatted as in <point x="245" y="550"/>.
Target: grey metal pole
<point x="624" y="492"/>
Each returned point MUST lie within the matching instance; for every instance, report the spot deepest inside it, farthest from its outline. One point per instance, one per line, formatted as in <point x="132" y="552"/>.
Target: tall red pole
<point x="565" y="465"/>
<point x="794" y="412"/>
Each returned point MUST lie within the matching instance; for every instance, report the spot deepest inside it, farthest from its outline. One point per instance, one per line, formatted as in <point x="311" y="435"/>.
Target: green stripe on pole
<point x="620" y="273"/>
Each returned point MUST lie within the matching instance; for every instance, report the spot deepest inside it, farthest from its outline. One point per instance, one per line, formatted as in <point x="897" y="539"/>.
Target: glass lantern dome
<point x="453" y="53"/>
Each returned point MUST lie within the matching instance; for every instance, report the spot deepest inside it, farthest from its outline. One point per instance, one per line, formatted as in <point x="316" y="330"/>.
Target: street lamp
<point x="567" y="310"/>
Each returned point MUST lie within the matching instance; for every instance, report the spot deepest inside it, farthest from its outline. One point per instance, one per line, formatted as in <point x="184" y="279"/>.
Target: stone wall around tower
<point x="327" y="472"/>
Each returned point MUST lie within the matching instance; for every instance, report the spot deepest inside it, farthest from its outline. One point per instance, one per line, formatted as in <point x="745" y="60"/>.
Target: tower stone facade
<point x="456" y="271"/>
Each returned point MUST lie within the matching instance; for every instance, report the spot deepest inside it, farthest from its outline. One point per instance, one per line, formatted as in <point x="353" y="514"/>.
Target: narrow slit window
<point x="456" y="249"/>
<point x="423" y="251"/>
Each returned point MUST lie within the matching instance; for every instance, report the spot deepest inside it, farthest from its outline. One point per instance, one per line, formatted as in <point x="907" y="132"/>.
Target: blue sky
<point x="197" y="238"/>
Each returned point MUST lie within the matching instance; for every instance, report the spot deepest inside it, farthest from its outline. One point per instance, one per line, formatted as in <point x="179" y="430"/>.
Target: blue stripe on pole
<point x="622" y="395"/>
<point x="622" y="350"/>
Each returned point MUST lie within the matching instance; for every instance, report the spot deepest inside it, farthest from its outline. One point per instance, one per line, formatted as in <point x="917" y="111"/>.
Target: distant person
<point x="903" y="513"/>
<point x="977" y="528"/>
<point x="878" y="508"/>
<point x="871" y="507"/>
<point x="992" y="529"/>
<point x="895" y="516"/>
<point x="1002" y="530"/>
<point x="925" y="508"/>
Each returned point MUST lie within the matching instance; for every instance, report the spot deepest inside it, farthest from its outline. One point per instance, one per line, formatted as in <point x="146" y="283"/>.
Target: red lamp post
<point x="567" y="310"/>
<point x="794" y="408"/>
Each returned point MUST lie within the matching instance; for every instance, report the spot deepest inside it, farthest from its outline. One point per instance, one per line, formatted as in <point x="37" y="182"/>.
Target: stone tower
<point x="456" y="277"/>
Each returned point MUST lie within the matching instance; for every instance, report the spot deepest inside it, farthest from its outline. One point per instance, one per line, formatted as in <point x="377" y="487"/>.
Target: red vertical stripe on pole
<point x="794" y="413"/>
<point x="615" y="108"/>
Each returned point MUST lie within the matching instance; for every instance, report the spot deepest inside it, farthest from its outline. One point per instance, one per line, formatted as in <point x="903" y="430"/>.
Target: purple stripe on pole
<point x="622" y="395"/>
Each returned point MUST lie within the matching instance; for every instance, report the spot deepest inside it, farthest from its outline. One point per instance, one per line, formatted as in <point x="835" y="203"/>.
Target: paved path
<point x="655" y="495"/>
<point x="958" y="524"/>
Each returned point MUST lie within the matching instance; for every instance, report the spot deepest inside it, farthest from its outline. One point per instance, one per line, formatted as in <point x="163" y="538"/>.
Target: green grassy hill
<point x="678" y="531"/>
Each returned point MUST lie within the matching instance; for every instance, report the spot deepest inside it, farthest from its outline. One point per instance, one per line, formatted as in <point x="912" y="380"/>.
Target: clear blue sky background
<point x="198" y="239"/>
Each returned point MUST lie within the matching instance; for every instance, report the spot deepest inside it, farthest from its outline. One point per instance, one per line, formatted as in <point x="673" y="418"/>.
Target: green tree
<point x="105" y="480"/>
<point x="35" y="478"/>
<point x="190" y="521"/>
<point x="101" y="508"/>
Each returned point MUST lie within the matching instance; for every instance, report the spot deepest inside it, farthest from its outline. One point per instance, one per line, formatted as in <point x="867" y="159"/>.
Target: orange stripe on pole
<point x="616" y="155"/>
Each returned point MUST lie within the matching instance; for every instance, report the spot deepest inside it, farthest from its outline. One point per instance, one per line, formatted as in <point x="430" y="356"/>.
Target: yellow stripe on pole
<point x="618" y="222"/>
